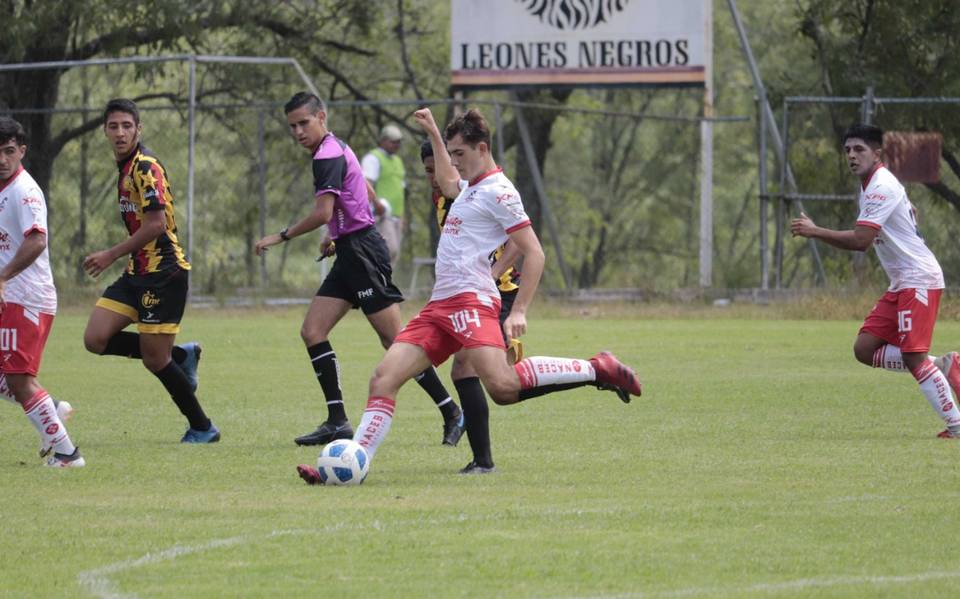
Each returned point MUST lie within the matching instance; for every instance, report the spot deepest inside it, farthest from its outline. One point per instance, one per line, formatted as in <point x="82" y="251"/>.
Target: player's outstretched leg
<point x="540" y="375"/>
<point x="451" y="412"/>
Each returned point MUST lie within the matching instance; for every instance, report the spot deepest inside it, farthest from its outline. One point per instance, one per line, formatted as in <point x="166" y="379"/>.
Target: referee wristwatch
<point x="283" y="234"/>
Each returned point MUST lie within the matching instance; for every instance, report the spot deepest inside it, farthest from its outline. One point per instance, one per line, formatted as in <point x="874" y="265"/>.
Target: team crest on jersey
<point x="4" y="241"/>
<point x="149" y="300"/>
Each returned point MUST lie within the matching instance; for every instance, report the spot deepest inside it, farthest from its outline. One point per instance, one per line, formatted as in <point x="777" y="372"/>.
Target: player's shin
<point x="934" y="386"/>
<point x="375" y="423"/>
<point x="43" y="415"/>
<point x="476" y="419"/>
<point x="540" y="375"/>
<point x="889" y="357"/>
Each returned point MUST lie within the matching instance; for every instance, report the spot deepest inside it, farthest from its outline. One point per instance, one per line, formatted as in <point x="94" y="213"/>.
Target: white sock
<point x="375" y="424"/>
<point x="42" y="413"/>
<point x="539" y="370"/>
<point x="935" y="388"/>
<point x="889" y="357"/>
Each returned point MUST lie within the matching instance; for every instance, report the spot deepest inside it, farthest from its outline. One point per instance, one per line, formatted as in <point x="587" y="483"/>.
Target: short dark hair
<point x="307" y="99"/>
<point x="868" y="133"/>
<point x="12" y="130"/>
<point x="426" y="150"/>
<point x="471" y="126"/>
<point x="122" y="105"/>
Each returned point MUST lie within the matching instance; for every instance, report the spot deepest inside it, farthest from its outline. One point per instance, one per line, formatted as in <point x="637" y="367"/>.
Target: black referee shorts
<point x="362" y="274"/>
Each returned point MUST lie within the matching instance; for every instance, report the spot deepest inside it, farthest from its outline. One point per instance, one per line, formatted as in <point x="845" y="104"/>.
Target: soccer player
<point x="28" y="298"/>
<point x="896" y="334"/>
<point x="465" y="379"/>
<point x="152" y="291"/>
<point x="360" y="277"/>
<point x="462" y="314"/>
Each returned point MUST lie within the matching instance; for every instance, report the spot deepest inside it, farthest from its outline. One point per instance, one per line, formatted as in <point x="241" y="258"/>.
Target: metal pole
<point x="706" y="156"/>
<point x="778" y="249"/>
<point x="542" y="195"/>
<point x="866" y="109"/>
<point x="262" y="173"/>
<point x="192" y="127"/>
<point x="767" y="110"/>
<point x="498" y="119"/>
<point x="764" y="241"/>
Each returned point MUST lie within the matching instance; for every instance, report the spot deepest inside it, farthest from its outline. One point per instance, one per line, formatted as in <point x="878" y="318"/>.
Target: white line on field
<point x="98" y="581"/>
<point x="776" y="587"/>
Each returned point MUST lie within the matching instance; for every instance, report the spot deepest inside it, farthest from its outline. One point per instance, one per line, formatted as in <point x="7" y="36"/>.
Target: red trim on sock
<point x="34" y="401"/>
<point x="524" y="370"/>
<point x="878" y="356"/>
<point x="384" y="405"/>
<point x="924" y="371"/>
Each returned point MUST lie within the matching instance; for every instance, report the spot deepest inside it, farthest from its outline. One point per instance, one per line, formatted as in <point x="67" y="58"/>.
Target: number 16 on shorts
<point x="904" y="321"/>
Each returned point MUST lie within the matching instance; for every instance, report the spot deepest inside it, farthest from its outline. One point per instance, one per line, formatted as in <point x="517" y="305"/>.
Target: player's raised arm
<point x="447" y="176"/>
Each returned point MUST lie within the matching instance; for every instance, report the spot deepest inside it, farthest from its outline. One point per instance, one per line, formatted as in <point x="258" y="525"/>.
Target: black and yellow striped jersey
<point x="509" y="280"/>
<point x="142" y="186"/>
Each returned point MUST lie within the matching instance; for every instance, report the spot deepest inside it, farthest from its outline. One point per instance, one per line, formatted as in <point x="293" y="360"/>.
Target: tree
<point x="49" y="30"/>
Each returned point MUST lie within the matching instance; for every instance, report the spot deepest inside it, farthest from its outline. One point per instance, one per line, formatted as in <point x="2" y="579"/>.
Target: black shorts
<point x="362" y="274"/>
<point x="506" y="304"/>
<point x="155" y="301"/>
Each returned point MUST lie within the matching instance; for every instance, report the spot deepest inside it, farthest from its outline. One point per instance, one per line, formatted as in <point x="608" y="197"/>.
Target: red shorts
<point x="23" y="335"/>
<point x="445" y="326"/>
<point x="905" y="318"/>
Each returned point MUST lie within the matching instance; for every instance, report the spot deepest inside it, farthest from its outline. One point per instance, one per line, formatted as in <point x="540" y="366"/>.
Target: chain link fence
<point x="620" y="180"/>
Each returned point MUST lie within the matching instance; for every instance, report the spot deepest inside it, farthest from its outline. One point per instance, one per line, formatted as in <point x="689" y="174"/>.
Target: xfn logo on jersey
<point x="462" y="319"/>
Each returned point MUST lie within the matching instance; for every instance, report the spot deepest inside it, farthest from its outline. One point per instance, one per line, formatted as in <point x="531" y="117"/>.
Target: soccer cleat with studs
<point x="949" y="365"/>
<point x="453" y="429"/>
<point x="613" y="372"/>
<point x="211" y="435"/>
<point x="948" y="434"/>
<point x="475" y="468"/>
<point x="59" y="460"/>
<point x="309" y="474"/>
<point x="325" y="433"/>
<point x="191" y="364"/>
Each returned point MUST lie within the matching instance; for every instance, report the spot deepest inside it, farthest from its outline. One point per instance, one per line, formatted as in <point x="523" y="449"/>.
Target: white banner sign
<point x="498" y="43"/>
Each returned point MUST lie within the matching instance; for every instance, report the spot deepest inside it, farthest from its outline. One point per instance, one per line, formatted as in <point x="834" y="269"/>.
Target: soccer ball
<point x="343" y="462"/>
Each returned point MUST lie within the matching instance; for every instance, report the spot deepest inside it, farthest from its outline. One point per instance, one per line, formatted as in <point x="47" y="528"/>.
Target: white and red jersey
<point x="22" y="210"/>
<point x="903" y="254"/>
<point x="487" y="210"/>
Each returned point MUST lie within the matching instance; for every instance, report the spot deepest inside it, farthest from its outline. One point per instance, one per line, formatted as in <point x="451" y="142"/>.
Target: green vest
<point x="389" y="184"/>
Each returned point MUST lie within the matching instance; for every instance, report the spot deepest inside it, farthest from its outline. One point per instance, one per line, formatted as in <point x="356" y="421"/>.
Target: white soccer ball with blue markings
<point x="343" y="462"/>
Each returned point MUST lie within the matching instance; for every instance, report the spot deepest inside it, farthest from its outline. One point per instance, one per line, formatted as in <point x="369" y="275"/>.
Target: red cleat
<point x="612" y="371"/>
<point x="946" y="434"/>
<point x="309" y="474"/>
<point x="949" y="365"/>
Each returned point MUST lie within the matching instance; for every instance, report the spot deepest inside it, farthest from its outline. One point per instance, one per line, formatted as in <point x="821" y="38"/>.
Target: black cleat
<point x="620" y="391"/>
<point x="326" y="433"/>
<point x="453" y="429"/>
<point x="475" y="468"/>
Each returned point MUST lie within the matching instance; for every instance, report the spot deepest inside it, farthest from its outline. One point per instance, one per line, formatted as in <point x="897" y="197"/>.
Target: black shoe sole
<point x="311" y="439"/>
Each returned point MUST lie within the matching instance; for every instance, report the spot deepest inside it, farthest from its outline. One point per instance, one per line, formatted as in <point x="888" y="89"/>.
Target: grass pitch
<point x="761" y="461"/>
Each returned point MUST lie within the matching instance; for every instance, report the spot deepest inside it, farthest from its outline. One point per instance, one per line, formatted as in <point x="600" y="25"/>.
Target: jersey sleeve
<point x="32" y="211"/>
<point x="149" y="182"/>
<point x="876" y="207"/>
<point x="328" y="175"/>
<point x="507" y="209"/>
<point x="370" y="165"/>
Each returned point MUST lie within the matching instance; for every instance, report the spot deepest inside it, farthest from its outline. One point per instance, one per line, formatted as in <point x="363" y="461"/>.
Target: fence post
<point x="262" y="173"/>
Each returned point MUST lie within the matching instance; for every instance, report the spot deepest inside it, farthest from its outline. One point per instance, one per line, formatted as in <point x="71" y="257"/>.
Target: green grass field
<point x="761" y="461"/>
